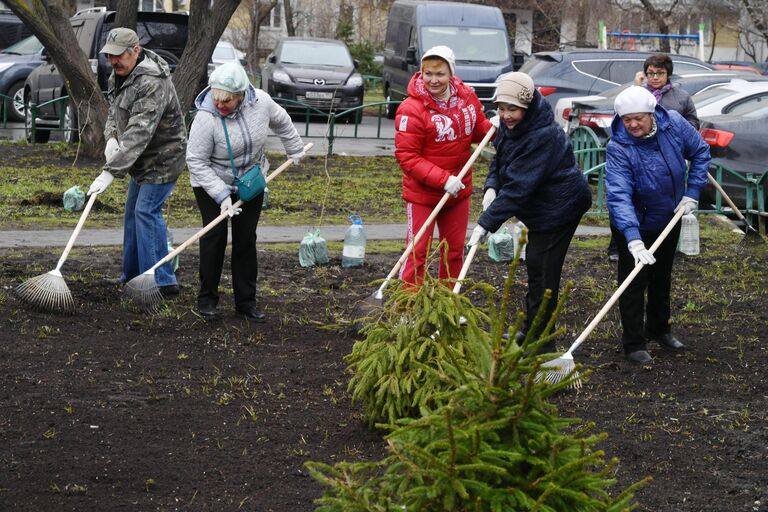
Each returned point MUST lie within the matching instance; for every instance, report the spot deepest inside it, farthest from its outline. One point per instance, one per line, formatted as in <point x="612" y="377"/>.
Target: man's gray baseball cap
<point x="119" y="40"/>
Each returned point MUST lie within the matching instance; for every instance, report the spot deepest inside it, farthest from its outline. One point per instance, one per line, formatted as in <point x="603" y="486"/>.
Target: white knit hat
<point x="634" y="100"/>
<point x="444" y="53"/>
<point x="229" y="77"/>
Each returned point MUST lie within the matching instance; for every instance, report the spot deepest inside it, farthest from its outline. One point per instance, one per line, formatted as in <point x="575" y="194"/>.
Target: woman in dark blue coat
<point x="533" y="177"/>
<point x="648" y="180"/>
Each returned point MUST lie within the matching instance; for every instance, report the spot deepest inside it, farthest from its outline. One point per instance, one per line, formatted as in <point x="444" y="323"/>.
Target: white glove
<point x="640" y="253"/>
<point x="495" y="121"/>
<point x="297" y="157"/>
<point x="488" y="198"/>
<point x="101" y="183"/>
<point x="226" y="206"/>
<point x="112" y="147"/>
<point x="687" y="205"/>
<point x="453" y="185"/>
<point x="477" y="235"/>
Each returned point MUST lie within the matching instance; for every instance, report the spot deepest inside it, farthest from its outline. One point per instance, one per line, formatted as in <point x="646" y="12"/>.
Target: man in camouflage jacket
<point x="146" y="140"/>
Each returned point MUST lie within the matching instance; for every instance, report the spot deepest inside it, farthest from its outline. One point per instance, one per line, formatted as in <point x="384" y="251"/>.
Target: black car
<point x="737" y="142"/>
<point x="12" y="29"/>
<point x="313" y="71"/>
<point x="163" y="33"/>
<point x="16" y="63"/>
<point x="587" y="72"/>
<point x="597" y="114"/>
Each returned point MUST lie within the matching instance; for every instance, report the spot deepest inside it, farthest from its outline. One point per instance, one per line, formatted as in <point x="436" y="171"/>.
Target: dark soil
<point x="114" y="410"/>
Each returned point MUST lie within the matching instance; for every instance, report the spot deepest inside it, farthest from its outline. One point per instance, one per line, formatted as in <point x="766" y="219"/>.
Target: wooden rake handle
<point x="608" y="305"/>
<point x="465" y="267"/>
<point x="436" y="210"/>
<point x="194" y="238"/>
<point x="719" y="188"/>
<point x="77" y="230"/>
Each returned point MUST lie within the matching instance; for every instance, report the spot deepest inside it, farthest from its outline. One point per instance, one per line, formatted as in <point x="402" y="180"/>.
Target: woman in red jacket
<point x="435" y="127"/>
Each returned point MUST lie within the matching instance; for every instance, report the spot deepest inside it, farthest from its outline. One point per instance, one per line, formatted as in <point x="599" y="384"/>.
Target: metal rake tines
<point x="142" y="294"/>
<point x="557" y="370"/>
<point x="47" y="292"/>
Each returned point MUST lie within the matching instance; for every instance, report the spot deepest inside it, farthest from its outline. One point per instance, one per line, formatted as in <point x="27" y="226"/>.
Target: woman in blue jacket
<point x="646" y="180"/>
<point x="533" y="177"/>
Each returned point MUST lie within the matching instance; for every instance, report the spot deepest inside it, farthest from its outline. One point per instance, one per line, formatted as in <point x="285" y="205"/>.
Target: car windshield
<point x="315" y="54"/>
<point x="469" y="44"/>
<point x="713" y="94"/>
<point x="26" y="46"/>
<point x="224" y="52"/>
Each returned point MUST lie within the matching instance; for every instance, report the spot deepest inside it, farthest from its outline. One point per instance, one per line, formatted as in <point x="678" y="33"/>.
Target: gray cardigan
<point x="207" y="155"/>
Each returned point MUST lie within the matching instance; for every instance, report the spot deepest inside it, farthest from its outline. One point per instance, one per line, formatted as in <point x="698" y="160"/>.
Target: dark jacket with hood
<point x="535" y="174"/>
<point x="675" y="98"/>
<point x="645" y="178"/>
<point x="146" y="119"/>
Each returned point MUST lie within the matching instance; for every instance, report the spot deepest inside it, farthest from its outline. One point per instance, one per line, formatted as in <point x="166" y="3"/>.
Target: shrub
<point x="488" y="438"/>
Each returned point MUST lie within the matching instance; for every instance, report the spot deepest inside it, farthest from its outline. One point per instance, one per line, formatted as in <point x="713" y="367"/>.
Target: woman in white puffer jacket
<point x="248" y="114"/>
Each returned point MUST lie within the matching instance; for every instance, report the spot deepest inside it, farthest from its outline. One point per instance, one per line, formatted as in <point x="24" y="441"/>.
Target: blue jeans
<point x="144" y="232"/>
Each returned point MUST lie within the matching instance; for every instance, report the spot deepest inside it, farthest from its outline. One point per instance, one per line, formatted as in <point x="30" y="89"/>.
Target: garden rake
<point x="49" y="292"/>
<point x="376" y="300"/>
<point x="751" y="236"/>
<point x="142" y="293"/>
<point x="558" y="369"/>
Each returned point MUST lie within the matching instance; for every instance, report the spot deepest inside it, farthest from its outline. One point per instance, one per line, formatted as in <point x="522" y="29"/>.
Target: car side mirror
<point x="243" y="62"/>
<point x="271" y="59"/>
<point x="44" y="55"/>
<point x="356" y="63"/>
<point x="410" y="55"/>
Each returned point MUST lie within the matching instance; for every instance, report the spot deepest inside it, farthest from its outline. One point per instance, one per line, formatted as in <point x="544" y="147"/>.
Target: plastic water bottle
<point x="688" y="243"/>
<point x="354" y="243"/>
<point x="265" y="201"/>
<point x="517" y="230"/>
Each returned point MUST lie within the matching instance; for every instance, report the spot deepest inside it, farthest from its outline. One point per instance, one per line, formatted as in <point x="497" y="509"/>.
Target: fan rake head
<point x="47" y="292"/>
<point x="142" y="294"/>
<point x="559" y="369"/>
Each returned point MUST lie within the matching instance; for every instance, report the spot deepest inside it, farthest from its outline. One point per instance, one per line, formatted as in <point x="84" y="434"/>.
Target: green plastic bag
<point x="501" y="245"/>
<point x="175" y="260"/>
<point x="74" y="199"/>
<point x="313" y="250"/>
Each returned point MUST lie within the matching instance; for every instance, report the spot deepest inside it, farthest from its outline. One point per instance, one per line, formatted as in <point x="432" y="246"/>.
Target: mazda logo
<point x="319" y="81"/>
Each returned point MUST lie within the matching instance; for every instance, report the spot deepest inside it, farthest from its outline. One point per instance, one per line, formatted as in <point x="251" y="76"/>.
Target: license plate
<point x="318" y="95"/>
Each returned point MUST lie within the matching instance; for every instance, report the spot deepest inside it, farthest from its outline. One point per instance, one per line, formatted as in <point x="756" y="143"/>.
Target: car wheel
<point x="391" y="107"/>
<point x="39" y="136"/>
<point x="16" y="112"/>
<point x="71" y="128"/>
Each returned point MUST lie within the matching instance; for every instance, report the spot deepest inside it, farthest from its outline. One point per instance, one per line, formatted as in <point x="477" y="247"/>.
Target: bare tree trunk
<point x="660" y="17"/>
<point x="49" y="22"/>
<point x="289" y="26"/>
<point x="207" y="21"/>
<point x="258" y="13"/>
<point x="127" y="11"/>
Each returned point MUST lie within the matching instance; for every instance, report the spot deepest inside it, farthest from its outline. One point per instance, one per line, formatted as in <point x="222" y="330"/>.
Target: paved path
<point x="94" y="237"/>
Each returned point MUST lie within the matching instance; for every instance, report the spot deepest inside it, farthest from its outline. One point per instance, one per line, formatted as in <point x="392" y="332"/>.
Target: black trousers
<point x="544" y="257"/>
<point x="213" y="246"/>
<point x="641" y="321"/>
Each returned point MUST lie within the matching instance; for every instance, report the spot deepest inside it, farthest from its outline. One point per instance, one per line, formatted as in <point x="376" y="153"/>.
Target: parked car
<point x="761" y="67"/>
<point x="163" y="33"/>
<point x="737" y="142"/>
<point x="226" y="52"/>
<point x="597" y="113"/>
<point x="476" y="33"/>
<point x="16" y="63"/>
<point x="744" y="68"/>
<point x="316" y="72"/>
<point x="737" y="96"/>
<point x="12" y="29"/>
<point x="586" y="72"/>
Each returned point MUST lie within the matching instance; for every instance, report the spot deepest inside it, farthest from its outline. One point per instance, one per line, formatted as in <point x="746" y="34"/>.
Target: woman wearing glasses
<point x="656" y="75"/>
